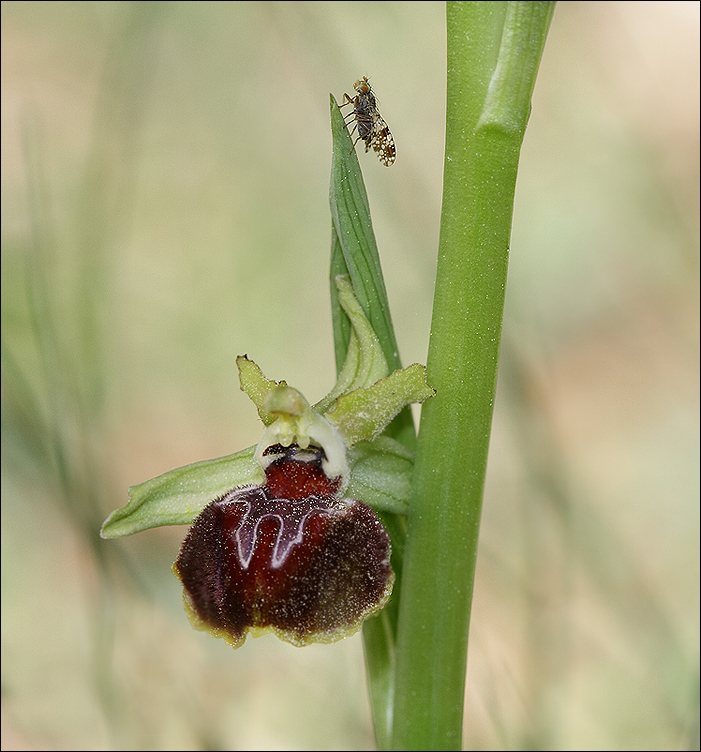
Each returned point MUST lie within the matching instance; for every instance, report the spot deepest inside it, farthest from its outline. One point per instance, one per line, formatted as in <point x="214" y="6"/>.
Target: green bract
<point x="346" y="424"/>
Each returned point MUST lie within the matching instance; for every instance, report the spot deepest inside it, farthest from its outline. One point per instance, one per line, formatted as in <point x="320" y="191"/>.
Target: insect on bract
<point x="369" y="124"/>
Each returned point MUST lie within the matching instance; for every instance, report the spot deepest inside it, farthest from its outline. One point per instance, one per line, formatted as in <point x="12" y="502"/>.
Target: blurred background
<point x="165" y="171"/>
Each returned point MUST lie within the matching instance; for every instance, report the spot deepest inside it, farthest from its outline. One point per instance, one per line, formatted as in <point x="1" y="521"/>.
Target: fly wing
<point x="383" y="142"/>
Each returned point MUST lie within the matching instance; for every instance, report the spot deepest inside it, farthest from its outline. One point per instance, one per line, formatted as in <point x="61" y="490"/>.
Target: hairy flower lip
<point x="311" y="568"/>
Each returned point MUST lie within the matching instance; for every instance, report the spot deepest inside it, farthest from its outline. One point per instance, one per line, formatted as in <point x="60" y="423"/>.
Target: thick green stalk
<point x="494" y="50"/>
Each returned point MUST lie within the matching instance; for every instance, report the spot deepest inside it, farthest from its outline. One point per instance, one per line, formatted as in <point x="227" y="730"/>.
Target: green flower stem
<point x="494" y="50"/>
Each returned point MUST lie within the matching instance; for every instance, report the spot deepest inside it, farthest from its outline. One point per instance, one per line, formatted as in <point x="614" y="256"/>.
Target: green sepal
<point x="381" y="474"/>
<point x="257" y="387"/>
<point x="363" y="414"/>
<point x="178" y="496"/>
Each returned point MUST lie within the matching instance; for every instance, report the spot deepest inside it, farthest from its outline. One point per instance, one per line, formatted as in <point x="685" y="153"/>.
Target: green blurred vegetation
<point x="165" y="173"/>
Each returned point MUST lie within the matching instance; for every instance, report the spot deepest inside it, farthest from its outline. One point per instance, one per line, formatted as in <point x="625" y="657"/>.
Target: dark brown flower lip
<point x="310" y="569"/>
